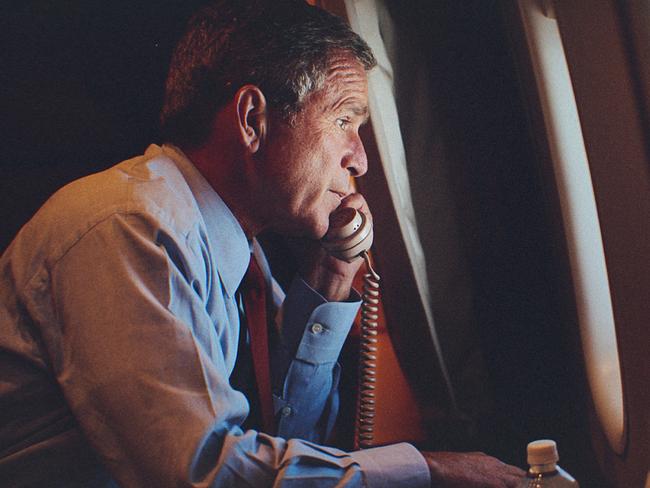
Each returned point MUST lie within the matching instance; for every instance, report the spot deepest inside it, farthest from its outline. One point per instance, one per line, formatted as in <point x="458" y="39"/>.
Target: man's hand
<point x="328" y="275"/>
<point x="471" y="470"/>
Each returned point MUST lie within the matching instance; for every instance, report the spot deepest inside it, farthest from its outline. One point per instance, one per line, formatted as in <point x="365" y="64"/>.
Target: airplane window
<point x="572" y="175"/>
<point x="580" y="220"/>
<point x="364" y="19"/>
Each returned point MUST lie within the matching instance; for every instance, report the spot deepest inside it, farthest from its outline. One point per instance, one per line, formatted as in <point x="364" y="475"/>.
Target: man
<point x="121" y="305"/>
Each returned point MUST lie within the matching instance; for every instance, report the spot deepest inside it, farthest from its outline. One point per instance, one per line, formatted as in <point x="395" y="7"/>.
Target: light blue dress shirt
<point x="119" y="329"/>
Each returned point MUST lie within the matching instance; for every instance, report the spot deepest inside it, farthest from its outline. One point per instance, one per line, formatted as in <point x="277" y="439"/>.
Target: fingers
<point x="509" y="475"/>
<point x="515" y="471"/>
<point x="354" y="200"/>
<point x="357" y="201"/>
<point x="512" y="475"/>
<point x="471" y="470"/>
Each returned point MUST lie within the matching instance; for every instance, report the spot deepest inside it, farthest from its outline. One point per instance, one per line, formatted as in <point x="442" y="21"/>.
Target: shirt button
<point x="317" y="328"/>
<point x="286" y="411"/>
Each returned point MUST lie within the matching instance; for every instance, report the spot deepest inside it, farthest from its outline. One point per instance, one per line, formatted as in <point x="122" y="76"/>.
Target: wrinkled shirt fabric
<point x="119" y="328"/>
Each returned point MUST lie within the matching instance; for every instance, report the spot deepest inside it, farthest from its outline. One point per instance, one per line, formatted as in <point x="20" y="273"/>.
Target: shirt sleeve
<point x="305" y="371"/>
<point x="129" y="353"/>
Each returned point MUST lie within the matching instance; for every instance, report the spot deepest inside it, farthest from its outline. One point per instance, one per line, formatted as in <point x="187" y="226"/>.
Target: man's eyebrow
<point x="356" y="107"/>
<point x="361" y="111"/>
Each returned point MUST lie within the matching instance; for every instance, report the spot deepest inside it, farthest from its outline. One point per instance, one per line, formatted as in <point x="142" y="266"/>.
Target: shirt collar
<point x="227" y="239"/>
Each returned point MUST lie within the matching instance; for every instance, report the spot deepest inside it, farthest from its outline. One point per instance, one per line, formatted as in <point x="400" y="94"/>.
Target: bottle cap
<point x="542" y="452"/>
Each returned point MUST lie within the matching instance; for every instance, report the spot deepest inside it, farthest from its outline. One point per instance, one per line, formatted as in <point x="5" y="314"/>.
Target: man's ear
<point x="252" y="117"/>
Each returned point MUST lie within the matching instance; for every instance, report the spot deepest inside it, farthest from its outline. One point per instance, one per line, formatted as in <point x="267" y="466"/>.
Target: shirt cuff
<point x="316" y="327"/>
<point x="395" y="465"/>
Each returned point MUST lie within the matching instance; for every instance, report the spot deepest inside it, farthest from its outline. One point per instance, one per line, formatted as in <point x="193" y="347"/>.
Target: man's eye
<point x="343" y="123"/>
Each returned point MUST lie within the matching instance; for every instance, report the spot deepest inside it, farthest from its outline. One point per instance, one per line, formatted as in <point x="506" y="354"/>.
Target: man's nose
<point x="357" y="161"/>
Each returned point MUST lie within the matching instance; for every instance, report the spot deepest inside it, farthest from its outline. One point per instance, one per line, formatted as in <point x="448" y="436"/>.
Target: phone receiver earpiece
<point x="349" y="235"/>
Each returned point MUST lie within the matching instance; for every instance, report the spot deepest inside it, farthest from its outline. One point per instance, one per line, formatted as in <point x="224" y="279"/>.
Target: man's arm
<point x="316" y="318"/>
<point x="304" y="361"/>
<point x="146" y="375"/>
<point x="333" y="278"/>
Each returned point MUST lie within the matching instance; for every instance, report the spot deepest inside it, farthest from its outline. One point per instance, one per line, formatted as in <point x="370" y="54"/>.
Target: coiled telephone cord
<point x="365" y="419"/>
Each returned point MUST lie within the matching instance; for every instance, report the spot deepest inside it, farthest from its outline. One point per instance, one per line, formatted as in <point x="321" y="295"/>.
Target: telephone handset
<point x="350" y="234"/>
<point x="348" y="237"/>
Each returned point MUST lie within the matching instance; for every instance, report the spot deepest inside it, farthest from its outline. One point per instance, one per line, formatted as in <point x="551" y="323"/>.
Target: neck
<point x="542" y="468"/>
<point x="227" y="176"/>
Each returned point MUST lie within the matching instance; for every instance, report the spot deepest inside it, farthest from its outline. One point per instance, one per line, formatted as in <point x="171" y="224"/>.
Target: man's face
<point x="309" y="163"/>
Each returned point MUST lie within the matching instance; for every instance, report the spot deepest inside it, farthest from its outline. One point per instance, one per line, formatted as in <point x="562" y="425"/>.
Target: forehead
<point x="345" y="87"/>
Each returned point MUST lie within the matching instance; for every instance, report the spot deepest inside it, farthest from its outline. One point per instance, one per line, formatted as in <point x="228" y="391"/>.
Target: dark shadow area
<point x="81" y="87"/>
<point x="510" y="232"/>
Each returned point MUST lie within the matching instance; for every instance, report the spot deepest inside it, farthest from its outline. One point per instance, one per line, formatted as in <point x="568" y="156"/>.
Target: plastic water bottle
<point x="544" y="471"/>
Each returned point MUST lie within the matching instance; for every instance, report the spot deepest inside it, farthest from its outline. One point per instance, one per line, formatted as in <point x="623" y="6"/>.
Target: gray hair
<point x="281" y="46"/>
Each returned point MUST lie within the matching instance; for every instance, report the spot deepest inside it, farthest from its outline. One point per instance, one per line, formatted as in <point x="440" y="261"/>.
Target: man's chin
<point x="303" y="230"/>
<point x="315" y="233"/>
<point x="319" y="230"/>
